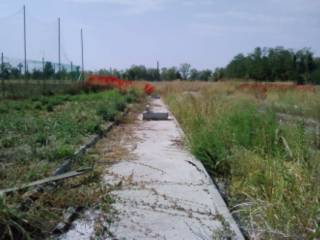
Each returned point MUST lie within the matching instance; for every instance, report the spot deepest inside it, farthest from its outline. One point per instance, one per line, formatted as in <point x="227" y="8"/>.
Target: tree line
<point x="140" y="72"/>
<point x="274" y="64"/>
<point x="263" y="64"/>
<point x="47" y="72"/>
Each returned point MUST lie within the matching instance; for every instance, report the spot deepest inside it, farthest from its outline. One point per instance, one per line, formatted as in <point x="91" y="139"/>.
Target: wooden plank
<point x="47" y="180"/>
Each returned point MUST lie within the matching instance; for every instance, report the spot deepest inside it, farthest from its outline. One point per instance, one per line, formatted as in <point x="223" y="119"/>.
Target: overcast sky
<point x="119" y="33"/>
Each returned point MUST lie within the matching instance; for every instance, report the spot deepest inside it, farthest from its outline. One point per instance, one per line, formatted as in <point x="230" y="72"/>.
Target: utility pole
<point x="43" y="81"/>
<point x="59" y="47"/>
<point x="2" y="78"/>
<point x="158" y="71"/>
<point x="71" y="71"/>
<point x="82" y="62"/>
<point x="43" y="64"/>
<point x="25" y="40"/>
<point x="2" y="64"/>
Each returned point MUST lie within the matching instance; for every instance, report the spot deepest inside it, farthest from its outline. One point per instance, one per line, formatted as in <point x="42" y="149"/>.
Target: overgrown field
<point x="36" y="135"/>
<point x="268" y="170"/>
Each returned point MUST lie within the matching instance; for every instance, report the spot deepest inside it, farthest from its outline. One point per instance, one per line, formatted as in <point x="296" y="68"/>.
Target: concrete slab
<point x="166" y="193"/>
<point x="149" y="116"/>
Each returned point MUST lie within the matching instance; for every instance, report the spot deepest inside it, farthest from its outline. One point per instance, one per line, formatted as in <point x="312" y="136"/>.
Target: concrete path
<point x="165" y="192"/>
<point x="168" y="194"/>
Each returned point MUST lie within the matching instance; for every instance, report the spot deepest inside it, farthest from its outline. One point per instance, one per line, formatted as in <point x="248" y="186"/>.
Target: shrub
<point x="107" y="112"/>
<point x="62" y="151"/>
<point x="41" y="138"/>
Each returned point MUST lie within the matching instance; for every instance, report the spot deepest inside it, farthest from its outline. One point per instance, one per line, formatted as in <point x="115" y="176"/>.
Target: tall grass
<point x="271" y="171"/>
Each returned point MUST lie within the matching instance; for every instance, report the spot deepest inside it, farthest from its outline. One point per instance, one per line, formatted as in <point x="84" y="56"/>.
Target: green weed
<point x="53" y="131"/>
<point x="272" y="169"/>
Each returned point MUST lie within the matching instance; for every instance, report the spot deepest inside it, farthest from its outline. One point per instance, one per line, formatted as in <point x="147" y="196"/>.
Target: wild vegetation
<point x="268" y="170"/>
<point x="36" y="136"/>
<point x="38" y="133"/>
<point x="263" y="64"/>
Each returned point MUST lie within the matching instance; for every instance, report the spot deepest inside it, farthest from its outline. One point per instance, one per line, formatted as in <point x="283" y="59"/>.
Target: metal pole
<point x="25" y="40"/>
<point x="42" y="64"/>
<point x="43" y="77"/>
<point x="2" y="64"/>
<point x="82" y="61"/>
<point x="158" y="71"/>
<point x="59" y="47"/>
<point x="71" y="71"/>
<point x="2" y="78"/>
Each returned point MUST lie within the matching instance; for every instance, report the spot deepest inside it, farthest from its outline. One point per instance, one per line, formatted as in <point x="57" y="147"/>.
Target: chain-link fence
<point x="34" y="56"/>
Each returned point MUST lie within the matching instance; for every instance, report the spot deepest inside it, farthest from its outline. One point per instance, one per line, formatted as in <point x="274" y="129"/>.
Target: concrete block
<point x="155" y="116"/>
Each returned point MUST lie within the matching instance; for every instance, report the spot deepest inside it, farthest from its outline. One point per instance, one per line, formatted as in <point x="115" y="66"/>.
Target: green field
<point x="36" y="136"/>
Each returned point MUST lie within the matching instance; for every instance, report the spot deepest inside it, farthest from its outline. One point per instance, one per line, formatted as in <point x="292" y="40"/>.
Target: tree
<point x="62" y="74"/>
<point x="185" y="70"/>
<point x="315" y="75"/>
<point x="5" y="71"/>
<point x="205" y="75"/>
<point x="272" y="64"/>
<point x="36" y="74"/>
<point x="152" y="74"/>
<point x="15" y="73"/>
<point x="304" y="64"/>
<point x="137" y="72"/>
<point x="194" y="74"/>
<point x="48" y="70"/>
<point x="218" y="74"/>
<point x="169" y="74"/>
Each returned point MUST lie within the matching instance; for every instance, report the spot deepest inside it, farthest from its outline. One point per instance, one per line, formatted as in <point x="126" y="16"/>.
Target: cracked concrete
<point x="165" y="192"/>
<point x="168" y="195"/>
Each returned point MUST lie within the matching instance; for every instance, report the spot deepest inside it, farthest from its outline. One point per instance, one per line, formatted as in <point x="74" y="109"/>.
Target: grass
<point x="272" y="190"/>
<point x="36" y="135"/>
<point x="40" y="218"/>
<point x="296" y="103"/>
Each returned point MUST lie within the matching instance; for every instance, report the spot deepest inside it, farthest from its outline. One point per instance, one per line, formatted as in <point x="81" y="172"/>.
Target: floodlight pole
<point x="158" y="71"/>
<point x="59" y="47"/>
<point x="25" y="40"/>
<point x="2" y="79"/>
<point x="2" y="63"/>
<point x="42" y="64"/>
<point x="82" y="61"/>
